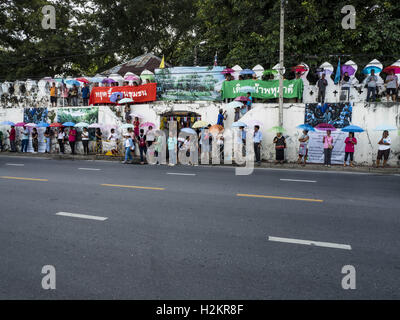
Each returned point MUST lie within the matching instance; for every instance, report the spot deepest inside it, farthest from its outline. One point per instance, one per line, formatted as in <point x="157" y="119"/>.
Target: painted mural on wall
<point x="35" y="115"/>
<point x="337" y="114"/>
<point x="89" y="115"/>
<point x="189" y="83"/>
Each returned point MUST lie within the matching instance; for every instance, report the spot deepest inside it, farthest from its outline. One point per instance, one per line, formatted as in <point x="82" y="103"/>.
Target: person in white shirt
<point x="383" y="149"/>
<point x="391" y="86"/>
<point x="129" y="146"/>
<point x="150" y="136"/>
<point x="114" y="139"/>
<point x="85" y="140"/>
<point x="257" y="144"/>
<point x="61" y="138"/>
<point x="372" y="81"/>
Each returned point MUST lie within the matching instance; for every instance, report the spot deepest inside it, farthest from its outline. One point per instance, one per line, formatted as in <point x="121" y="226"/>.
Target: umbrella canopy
<point x="43" y="125"/>
<point x="82" y="125"/>
<point x="127" y="126"/>
<point x="325" y="127"/>
<point x="242" y="98"/>
<point x="305" y="127"/>
<point x="228" y="71"/>
<point x="96" y="79"/>
<point x="116" y="96"/>
<point x="385" y="127"/>
<point x="72" y="82"/>
<point x="235" y="104"/>
<point x="299" y="69"/>
<point x="277" y="129"/>
<point x="68" y="124"/>
<point x="189" y="130"/>
<point x="349" y="69"/>
<point x="395" y="69"/>
<point x="84" y="80"/>
<point x="107" y="80"/>
<point x="94" y="125"/>
<point x="7" y="123"/>
<point x="136" y="115"/>
<point x="125" y="100"/>
<point x="352" y="128"/>
<point x="131" y="78"/>
<point x="270" y="71"/>
<point x="55" y="125"/>
<point x="216" y="128"/>
<point x="200" y="124"/>
<point x="238" y="124"/>
<point x="246" y="72"/>
<point x="147" y="124"/>
<point x="20" y="124"/>
<point x="252" y="123"/>
<point x="31" y="125"/>
<point x="368" y="70"/>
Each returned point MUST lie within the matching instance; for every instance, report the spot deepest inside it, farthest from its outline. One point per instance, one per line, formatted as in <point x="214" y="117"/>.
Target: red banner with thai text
<point x="143" y="93"/>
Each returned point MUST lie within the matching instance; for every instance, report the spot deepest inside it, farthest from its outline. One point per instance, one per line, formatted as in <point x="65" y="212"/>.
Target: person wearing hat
<point x="129" y="146"/>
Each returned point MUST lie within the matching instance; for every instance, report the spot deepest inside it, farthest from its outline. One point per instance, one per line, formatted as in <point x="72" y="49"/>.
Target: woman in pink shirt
<point x="349" y="150"/>
<point x="72" y="139"/>
<point x="328" y="146"/>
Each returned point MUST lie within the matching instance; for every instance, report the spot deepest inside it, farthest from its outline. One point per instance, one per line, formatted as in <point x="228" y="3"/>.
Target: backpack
<point x="142" y="141"/>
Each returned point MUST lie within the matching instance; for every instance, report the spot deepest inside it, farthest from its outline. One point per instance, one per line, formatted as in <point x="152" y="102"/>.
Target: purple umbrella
<point x="228" y="71"/>
<point x="107" y="80"/>
<point x="116" y="96"/>
<point x="349" y="69"/>
<point x="325" y="127"/>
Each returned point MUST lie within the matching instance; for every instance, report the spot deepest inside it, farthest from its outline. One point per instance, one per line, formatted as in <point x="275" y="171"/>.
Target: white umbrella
<point x="136" y="115"/>
<point x="82" y="125"/>
<point x="94" y="125"/>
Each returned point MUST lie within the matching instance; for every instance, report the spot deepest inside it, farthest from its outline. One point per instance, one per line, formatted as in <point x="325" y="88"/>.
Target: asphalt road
<point x="195" y="232"/>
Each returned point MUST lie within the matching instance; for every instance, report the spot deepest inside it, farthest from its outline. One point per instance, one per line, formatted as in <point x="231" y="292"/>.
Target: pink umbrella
<point x="242" y="99"/>
<point x="395" y="69"/>
<point x="136" y="115"/>
<point x="228" y="71"/>
<point x="132" y="78"/>
<point x="32" y="125"/>
<point x="20" y="124"/>
<point x="84" y="80"/>
<point x="325" y="127"/>
<point x="147" y="124"/>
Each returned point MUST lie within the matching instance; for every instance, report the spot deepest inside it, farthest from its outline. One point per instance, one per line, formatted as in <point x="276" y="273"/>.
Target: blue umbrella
<point x="247" y="71"/>
<point x="7" y="123"/>
<point x="352" y="128"/>
<point x="305" y="127"/>
<point x="385" y="127"/>
<point x="72" y="82"/>
<point x="188" y="130"/>
<point x="238" y="124"/>
<point x="116" y="96"/>
<point x="367" y="70"/>
<point x="43" y="125"/>
<point x="68" y="124"/>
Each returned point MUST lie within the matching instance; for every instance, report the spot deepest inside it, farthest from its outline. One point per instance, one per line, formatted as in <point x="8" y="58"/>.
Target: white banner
<point x="316" y="146"/>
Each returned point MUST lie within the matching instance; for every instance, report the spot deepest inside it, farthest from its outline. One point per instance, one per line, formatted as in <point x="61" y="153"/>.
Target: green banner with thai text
<point x="262" y="89"/>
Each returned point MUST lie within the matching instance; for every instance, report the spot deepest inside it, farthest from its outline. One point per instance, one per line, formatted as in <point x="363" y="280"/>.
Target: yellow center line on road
<point x="275" y="197"/>
<point x="131" y="187"/>
<point x="26" y="179"/>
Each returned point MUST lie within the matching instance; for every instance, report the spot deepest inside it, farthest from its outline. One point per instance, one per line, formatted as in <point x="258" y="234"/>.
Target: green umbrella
<point x="277" y="129"/>
<point x="270" y="71"/>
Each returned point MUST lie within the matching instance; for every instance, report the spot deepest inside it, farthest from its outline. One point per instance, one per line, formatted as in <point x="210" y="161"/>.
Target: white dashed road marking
<point x="311" y="243"/>
<point x="81" y="216"/>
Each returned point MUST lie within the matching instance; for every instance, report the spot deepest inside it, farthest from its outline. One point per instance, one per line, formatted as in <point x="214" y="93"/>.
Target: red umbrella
<point x="242" y="99"/>
<point x="325" y="127"/>
<point x="395" y="69"/>
<point x="56" y="125"/>
<point x="20" y="124"/>
<point x="300" y="68"/>
<point x="84" y="80"/>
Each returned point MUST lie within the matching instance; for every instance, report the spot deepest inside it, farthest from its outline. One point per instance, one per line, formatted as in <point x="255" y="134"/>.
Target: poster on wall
<point x="190" y="83"/>
<point x="88" y="114"/>
<point x="262" y="89"/>
<point x="139" y="94"/>
<point x="337" y="114"/>
<point x="316" y="147"/>
<point x="35" y="115"/>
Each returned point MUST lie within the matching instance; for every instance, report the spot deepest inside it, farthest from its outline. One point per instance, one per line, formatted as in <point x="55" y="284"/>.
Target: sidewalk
<point x="265" y="164"/>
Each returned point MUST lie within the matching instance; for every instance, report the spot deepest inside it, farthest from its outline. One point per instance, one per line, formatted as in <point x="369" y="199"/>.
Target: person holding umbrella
<point x="349" y="149"/>
<point x="24" y="140"/>
<point x="328" y="147"/>
<point x="280" y="145"/>
<point x="11" y="137"/>
<point x="85" y="94"/>
<point x="35" y="140"/>
<point x="74" y="95"/>
<point x="391" y="86"/>
<point x="72" y="139"/>
<point x="371" y="82"/>
<point x="85" y="140"/>
<point x="383" y="149"/>
<point x="61" y="138"/>
<point x="47" y="139"/>
<point x="303" y="148"/>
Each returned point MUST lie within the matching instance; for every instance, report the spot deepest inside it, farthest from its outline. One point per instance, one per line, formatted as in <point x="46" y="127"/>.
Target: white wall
<point x="367" y="116"/>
